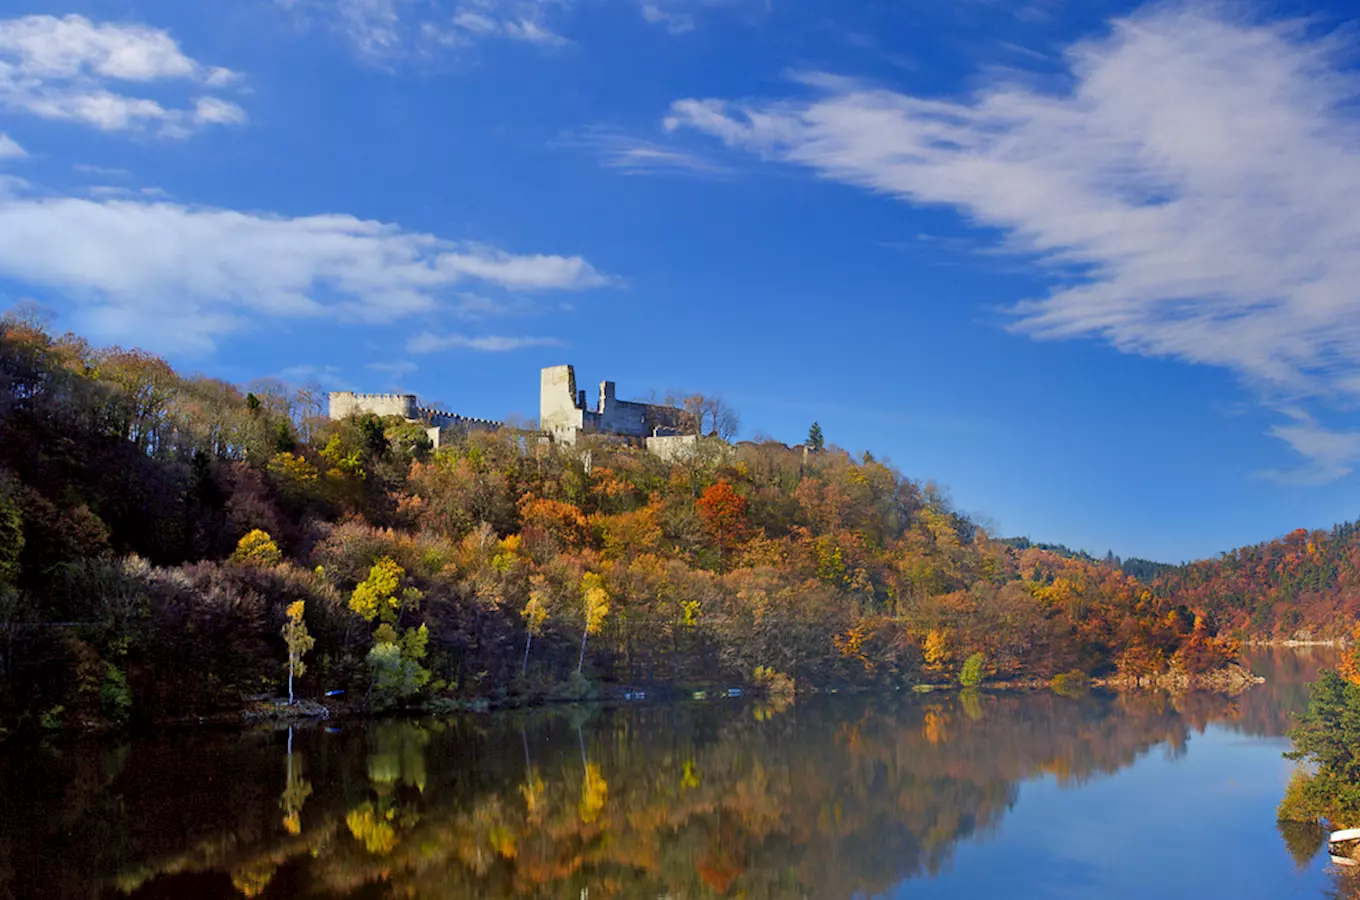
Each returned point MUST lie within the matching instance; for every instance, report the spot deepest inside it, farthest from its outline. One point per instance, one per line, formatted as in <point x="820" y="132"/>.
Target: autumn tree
<point x="595" y="606"/>
<point x="723" y="512"/>
<point x="299" y="642"/>
<point x="396" y="655"/>
<point x="535" y="613"/>
<point x="257" y="548"/>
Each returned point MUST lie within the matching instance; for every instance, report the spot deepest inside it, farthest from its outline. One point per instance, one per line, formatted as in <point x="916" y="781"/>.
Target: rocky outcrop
<point x="1231" y="679"/>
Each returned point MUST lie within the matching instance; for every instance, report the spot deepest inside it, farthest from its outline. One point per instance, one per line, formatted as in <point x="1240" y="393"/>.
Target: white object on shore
<point x="1345" y="834"/>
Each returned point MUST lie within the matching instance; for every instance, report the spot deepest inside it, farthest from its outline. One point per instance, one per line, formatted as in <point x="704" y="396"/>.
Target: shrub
<point x="971" y="675"/>
<point x="1070" y="684"/>
<point x="774" y="683"/>
<point x="115" y="697"/>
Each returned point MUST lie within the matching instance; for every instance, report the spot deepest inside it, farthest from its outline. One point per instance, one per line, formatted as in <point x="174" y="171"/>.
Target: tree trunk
<point x="524" y="669"/>
<point x="290" y="681"/>
<point x="582" y="661"/>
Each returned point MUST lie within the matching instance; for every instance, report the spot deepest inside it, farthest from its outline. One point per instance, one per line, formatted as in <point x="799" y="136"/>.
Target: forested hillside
<point x="158" y="532"/>
<point x="1305" y="585"/>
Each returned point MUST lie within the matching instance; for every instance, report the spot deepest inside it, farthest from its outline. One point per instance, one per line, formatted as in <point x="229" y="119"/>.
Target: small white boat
<point x="1343" y="836"/>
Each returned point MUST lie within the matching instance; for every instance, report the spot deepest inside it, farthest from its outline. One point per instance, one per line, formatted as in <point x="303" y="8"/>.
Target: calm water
<point x="839" y="797"/>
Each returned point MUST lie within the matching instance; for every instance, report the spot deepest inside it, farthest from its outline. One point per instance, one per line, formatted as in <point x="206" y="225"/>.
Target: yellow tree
<point x="299" y="642"/>
<point x="596" y="605"/>
<point x="535" y="614"/>
<point x="1349" y="667"/>
<point x="935" y="650"/>
<point x="257" y="548"/>
<point x="377" y="597"/>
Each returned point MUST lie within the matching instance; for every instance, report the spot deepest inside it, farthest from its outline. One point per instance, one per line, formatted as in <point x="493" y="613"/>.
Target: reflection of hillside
<point x="1268" y="710"/>
<point x="829" y="798"/>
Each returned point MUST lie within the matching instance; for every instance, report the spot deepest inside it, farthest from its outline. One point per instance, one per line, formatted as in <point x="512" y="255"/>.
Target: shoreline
<point x="1230" y="681"/>
<point x="1293" y="643"/>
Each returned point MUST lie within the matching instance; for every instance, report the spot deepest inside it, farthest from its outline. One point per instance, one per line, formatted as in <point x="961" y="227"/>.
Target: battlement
<point x="563" y="414"/>
<point x="446" y="419"/>
<point x="345" y="403"/>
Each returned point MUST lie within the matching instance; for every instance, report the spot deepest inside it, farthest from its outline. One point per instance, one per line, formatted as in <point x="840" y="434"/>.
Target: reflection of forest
<point x="829" y="798"/>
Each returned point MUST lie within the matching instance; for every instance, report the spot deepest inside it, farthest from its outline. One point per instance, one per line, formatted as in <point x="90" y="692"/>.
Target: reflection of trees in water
<point x="1268" y="710"/>
<point x="827" y="798"/>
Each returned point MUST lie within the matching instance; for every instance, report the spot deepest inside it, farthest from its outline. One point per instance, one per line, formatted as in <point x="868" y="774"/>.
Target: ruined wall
<point x="558" y="408"/>
<point x="441" y="424"/>
<point x="562" y="408"/>
<point x="344" y="403"/>
<point x="673" y="448"/>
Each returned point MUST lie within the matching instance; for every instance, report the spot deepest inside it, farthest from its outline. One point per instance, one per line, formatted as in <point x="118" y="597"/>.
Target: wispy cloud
<point x="383" y="31"/>
<point x="428" y="342"/>
<point x="10" y="149"/>
<point x="388" y="31"/>
<point x="76" y="70"/>
<point x="684" y="16"/>
<point x="664" y="14"/>
<point x="106" y="171"/>
<point x="174" y="276"/>
<point x="1196" y="187"/>
<point x="394" y="369"/>
<point x="636" y="156"/>
<point x="515" y="21"/>
<point x="306" y="373"/>
<point x="1332" y="454"/>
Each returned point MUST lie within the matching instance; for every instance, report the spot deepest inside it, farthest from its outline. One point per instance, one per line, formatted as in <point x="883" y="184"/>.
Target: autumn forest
<point x="169" y="544"/>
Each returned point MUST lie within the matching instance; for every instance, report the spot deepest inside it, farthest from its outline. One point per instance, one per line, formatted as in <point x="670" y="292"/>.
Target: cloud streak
<point x="75" y="70"/>
<point x="635" y="156"/>
<point x="10" y="149"/>
<point x="428" y="342"/>
<point x="1194" y="189"/>
<point x="174" y="276"/>
<point x="385" y="31"/>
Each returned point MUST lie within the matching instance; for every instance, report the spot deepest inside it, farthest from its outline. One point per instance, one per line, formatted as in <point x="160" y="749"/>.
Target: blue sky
<point x="1092" y="266"/>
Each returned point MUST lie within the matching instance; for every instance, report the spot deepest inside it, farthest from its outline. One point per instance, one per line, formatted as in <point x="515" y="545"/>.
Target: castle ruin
<point x="563" y="414"/>
<point x="438" y="423"/>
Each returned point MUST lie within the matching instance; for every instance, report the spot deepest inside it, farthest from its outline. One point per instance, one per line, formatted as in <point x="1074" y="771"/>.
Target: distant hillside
<point x="1303" y="585"/>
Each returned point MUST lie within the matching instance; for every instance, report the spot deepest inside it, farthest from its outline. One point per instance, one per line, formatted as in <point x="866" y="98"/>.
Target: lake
<point x="899" y="796"/>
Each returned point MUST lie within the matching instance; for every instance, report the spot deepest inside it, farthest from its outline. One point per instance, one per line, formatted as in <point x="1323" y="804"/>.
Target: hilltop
<point x="159" y="532"/>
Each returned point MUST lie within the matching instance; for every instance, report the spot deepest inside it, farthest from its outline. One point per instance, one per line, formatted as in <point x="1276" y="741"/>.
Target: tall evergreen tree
<point x="815" y="441"/>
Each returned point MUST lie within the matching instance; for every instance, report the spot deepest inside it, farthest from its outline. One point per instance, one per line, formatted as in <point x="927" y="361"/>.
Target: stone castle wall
<point x="563" y="414"/>
<point x="345" y="403"/>
<point x="562" y="409"/>
<point x="439" y="422"/>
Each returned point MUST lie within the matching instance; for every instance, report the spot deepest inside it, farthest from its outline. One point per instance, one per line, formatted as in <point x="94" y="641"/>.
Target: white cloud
<point x="107" y="171"/>
<point x="1331" y="454"/>
<point x="179" y="277"/>
<point x="10" y="149"/>
<point x="385" y="30"/>
<point x="1195" y="188"/>
<point x="634" y="156"/>
<point x="394" y="369"/>
<point x="68" y="69"/>
<point x="516" y="20"/>
<point x="674" y="22"/>
<point x="428" y="342"/>
<point x="212" y="111"/>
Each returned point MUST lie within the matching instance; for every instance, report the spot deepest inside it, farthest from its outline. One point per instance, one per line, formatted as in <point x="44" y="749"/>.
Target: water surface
<point x="946" y="795"/>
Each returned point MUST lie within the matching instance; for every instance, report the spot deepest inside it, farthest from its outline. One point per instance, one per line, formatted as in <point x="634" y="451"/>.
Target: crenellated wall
<point x="344" y="403"/>
<point x="563" y="414"/>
